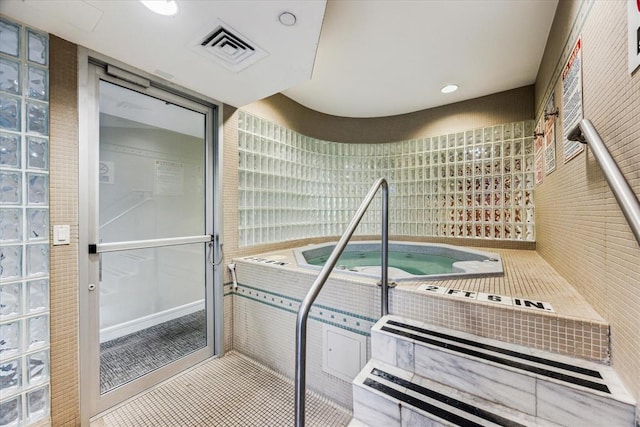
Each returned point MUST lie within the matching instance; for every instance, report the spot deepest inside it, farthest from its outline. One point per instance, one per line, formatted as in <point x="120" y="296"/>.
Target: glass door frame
<point x="92" y="69"/>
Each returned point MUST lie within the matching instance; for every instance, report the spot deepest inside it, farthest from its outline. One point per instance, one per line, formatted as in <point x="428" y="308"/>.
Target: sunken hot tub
<point x="407" y="260"/>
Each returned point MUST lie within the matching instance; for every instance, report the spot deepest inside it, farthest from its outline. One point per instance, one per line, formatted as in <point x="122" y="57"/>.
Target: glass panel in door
<point x="151" y="205"/>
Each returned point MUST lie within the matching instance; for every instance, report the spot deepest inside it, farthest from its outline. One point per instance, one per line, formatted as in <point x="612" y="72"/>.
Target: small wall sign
<point x="169" y="180"/>
<point x="107" y="172"/>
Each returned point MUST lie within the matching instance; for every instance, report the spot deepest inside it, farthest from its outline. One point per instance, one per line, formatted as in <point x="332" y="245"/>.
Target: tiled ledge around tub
<point x="570" y="327"/>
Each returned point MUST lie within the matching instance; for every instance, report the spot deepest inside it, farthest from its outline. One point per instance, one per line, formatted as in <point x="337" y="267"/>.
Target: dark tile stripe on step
<point x="432" y="409"/>
<point x="523" y="366"/>
<point x="531" y="358"/>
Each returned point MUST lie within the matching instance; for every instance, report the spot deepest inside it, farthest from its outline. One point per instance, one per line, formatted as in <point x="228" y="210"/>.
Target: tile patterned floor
<point x="228" y="391"/>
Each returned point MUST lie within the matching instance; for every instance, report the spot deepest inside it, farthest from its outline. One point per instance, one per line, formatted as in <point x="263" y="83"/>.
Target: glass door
<point x="151" y="250"/>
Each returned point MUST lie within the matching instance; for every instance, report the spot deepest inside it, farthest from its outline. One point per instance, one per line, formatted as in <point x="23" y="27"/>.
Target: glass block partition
<point x="24" y="225"/>
<point x="471" y="184"/>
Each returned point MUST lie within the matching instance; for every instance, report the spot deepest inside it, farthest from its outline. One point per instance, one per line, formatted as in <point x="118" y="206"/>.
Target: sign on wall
<point x="545" y="142"/>
<point x="169" y="178"/>
<point x="107" y="172"/>
<point x="572" y="100"/>
<point x="633" y="20"/>
<point x="539" y="151"/>
<point x="550" y="135"/>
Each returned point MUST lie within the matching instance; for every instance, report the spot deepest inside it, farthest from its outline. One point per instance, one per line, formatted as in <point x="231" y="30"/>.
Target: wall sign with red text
<point x="572" y="100"/>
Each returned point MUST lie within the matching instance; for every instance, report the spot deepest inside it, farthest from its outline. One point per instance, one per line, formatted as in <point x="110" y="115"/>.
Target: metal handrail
<point x="586" y="133"/>
<point x="305" y="306"/>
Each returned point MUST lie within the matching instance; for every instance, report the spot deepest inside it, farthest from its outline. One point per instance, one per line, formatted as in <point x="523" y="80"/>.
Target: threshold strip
<point x="523" y="366"/>
<point x="433" y="409"/>
<point x="530" y="358"/>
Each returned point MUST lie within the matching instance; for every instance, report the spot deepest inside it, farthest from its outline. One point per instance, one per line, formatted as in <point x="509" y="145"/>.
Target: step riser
<point x="538" y="393"/>
<point x="517" y="392"/>
<point x="494" y="384"/>
<point x="581" y="409"/>
<point x="387" y="396"/>
<point x="376" y="411"/>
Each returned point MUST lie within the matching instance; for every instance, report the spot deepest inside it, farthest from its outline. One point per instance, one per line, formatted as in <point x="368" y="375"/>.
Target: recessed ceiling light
<point x="449" y="88"/>
<point x="161" y="7"/>
<point x="287" y="18"/>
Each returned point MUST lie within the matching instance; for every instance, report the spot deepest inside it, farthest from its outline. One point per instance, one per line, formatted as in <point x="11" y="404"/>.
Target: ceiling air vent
<point x="231" y="49"/>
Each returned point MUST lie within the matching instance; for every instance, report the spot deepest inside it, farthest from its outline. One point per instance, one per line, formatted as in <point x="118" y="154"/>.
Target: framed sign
<point x="572" y="100"/>
<point x="538" y="151"/>
<point x="169" y="179"/>
<point x="550" y="136"/>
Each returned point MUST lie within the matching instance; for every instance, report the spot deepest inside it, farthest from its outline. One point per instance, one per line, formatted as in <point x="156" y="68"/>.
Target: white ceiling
<point x="380" y="58"/>
<point x="125" y="30"/>
<point x="374" y="57"/>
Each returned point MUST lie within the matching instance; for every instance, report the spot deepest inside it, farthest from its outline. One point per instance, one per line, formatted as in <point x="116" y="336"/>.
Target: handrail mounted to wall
<point x="305" y="306"/>
<point x="586" y="133"/>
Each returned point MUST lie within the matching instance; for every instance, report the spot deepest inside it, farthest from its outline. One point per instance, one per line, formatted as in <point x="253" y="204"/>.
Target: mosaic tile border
<point x="331" y="316"/>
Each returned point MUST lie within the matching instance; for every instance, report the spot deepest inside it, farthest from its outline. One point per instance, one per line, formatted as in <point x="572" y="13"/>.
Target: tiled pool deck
<point x="538" y="308"/>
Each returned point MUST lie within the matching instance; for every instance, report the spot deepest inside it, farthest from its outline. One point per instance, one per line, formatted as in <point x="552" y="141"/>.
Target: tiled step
<point x="543" y="385"/>
<point x="385" y="396"/>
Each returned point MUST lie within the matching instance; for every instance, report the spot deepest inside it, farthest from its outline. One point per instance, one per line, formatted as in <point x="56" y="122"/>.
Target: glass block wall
<point x="24" y="225"/>
<point x="471" y="184"/>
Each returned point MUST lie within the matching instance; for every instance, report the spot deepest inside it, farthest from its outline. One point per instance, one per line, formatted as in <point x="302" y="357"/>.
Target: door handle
<point x="98" y="248"/>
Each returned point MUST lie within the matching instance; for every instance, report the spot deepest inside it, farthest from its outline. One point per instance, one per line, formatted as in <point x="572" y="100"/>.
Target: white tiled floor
<point x="228" y="391"/>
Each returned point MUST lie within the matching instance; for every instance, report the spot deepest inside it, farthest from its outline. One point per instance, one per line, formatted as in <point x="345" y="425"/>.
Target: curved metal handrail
<point x="305" y="306"/>
<point x="586" y="133"/>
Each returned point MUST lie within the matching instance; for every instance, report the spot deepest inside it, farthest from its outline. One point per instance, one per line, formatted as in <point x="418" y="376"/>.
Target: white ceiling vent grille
<point x="230" y="48"/>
